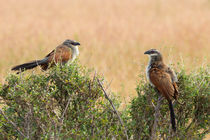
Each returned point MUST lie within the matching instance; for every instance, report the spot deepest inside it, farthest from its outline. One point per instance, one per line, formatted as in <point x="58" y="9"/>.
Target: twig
<point x="14" y="125"/>
<point x="94" y="77"/>
<point x="109" y="85"/>
<point x="106" y="96"/>
<point x="193" y="121"/>
<point x="28" y="122"/>
<point x="64" y="112"/>
<point x="156" y="116"/>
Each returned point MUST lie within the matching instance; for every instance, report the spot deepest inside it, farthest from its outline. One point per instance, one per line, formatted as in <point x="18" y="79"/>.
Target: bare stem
<point x="156" y="116"/>
<point x="110" y="101"/>
<point x="64" y="112"/>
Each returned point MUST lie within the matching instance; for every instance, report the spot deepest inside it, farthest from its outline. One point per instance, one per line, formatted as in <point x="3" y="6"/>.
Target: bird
<point x="164" y="79"/>
<point x="64" y="53"/>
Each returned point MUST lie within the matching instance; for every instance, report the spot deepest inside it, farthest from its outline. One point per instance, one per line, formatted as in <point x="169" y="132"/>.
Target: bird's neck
<point x="156" y="60"/>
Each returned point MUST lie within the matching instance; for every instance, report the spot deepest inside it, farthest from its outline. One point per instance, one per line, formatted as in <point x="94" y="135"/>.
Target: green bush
<point x="192" y="117"/>
<point x="65" y="102"/>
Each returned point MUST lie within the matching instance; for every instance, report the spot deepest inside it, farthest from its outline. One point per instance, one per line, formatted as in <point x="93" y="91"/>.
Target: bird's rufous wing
<point x="61" y="54"/>
<point x="162" y="81"/>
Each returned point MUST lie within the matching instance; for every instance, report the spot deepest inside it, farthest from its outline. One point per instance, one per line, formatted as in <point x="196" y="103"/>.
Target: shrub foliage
<point x="65" y="102"/>
<point x="192" y="113"/>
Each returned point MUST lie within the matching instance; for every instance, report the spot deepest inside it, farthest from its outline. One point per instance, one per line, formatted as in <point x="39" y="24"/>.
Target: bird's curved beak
<point x="76" y="43"/>
<point x="147" y="52"/>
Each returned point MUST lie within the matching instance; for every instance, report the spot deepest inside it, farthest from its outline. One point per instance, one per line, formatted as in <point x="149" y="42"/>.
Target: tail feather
<point x="29" y="65"/>
<point x="173" y="122"/>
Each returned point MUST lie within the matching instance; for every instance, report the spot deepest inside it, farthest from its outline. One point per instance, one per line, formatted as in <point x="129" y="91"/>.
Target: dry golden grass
<point x="113" y="33"/>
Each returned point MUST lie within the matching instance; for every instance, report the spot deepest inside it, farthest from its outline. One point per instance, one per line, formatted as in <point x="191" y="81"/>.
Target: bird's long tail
<point x="173" y="122"/>
<point x="29" y="65"/>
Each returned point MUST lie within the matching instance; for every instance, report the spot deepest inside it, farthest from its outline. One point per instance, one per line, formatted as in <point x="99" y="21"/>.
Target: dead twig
<point x="156" y="116"/>
<point x="64" y="112"/>
<point x="110" y="101"/>
<point x="13" y="124"/>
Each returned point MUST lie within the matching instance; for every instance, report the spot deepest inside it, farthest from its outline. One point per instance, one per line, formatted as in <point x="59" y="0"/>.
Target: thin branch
<point x="109" y="85"/>
<point x="94" y="77"/>
<point x="13" y="124"/>
<point x="106" y="96"/>
<point x="64" y="112"/>
<point x="28" y="122"/>
<point x="156" y="116"/>
<point x="188" y="127"/>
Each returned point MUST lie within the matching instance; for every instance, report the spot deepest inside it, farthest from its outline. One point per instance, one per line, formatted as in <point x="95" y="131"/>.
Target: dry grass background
<point x="113" y="33"/>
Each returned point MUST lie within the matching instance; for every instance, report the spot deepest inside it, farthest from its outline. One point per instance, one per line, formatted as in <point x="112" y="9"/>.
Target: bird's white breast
<point x="147" y="72"/>
<point x="75" y="53"/>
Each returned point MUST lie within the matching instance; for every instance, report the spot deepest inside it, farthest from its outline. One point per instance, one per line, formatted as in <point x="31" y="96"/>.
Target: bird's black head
<point x="69" y="42"/>
<point x="154" y="55"/>
<point x="152" y="52"/>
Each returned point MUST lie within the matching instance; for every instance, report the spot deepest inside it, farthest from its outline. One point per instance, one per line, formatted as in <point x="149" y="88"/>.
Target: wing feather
<point x="163" y="82"/>
<point x="62" y="54"/>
